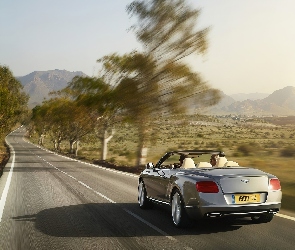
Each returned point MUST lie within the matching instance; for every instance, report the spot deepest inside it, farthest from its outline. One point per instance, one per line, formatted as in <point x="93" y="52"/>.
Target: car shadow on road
<point x="117" y="220"/>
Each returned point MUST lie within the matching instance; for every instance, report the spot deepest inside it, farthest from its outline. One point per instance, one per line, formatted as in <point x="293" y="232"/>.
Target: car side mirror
<point x="150" y="165"/>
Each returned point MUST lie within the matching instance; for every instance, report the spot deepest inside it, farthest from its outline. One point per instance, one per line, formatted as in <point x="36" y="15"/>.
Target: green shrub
<point x="112" y="160"/>
<point x="237" y="154"/>
<point x="288" y="151"/>
<point x="245" y="149"/>
<point x="271" y="144"/>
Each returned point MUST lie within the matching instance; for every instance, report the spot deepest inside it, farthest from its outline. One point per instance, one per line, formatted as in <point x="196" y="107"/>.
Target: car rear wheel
<point x="179" y="216"/>
<point x="263" y="218"/>
<point x="142" y="197"/>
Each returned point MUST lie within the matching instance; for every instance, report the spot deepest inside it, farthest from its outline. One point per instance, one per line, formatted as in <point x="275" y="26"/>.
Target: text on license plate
<point x="245" y="198"/>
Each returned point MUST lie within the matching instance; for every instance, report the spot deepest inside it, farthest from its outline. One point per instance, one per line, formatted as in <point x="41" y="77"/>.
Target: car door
<point x="163" y="181"/>
<point x="159" y="179"/>
<point x="156" y="181"/>
<point x="150" y="181"/>
<point x="167" y="170"/>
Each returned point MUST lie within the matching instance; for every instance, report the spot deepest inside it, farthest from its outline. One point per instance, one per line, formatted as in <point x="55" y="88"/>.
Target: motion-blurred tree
<point x="40" y="121"/>
<point x="61" y="118"/>
<point x="161" y="81"/>
<point x="13" y="102"/>
<point x="98" y="98"/>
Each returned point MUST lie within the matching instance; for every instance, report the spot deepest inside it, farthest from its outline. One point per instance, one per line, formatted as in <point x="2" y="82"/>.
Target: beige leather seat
<point x="188" y="163"/>
<point x="220" y="162"/>
<point x="204" y="164"/>
<point x="231" y="164"/>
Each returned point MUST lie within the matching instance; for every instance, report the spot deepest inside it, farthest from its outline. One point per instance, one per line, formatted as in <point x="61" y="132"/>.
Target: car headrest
<point x="204" y="164"/>
<point x="220" y="161"/>
<point x="231" y="164"/>
<point x="188" y="163"/>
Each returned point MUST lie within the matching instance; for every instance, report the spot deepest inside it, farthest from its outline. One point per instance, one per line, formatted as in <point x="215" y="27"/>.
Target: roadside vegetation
<point x="13" y="108"/>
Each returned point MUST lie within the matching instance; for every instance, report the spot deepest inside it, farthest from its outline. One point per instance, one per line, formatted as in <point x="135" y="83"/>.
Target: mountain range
<point x="280" y="103"/>
<point x="250" y="96"/>
<point x="39" y="84"/>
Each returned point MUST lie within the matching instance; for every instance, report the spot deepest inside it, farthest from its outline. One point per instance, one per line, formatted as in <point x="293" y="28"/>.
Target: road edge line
<point x="8" y="181"/>
<point x="286" y="217"/>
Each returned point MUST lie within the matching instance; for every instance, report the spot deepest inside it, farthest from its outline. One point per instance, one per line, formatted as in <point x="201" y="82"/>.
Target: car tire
<point x="142" y="196"/>
<point x="263" y="218"/>
<point x="179" y="215"/>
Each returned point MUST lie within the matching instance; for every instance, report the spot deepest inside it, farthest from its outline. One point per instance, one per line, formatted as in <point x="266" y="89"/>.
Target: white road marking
<point x="286" y="217"/>
<point x="7" y="184"/>
<point x="150" y="225"/>
<point x="111" y="201"/>
<point x="86" y="163"/>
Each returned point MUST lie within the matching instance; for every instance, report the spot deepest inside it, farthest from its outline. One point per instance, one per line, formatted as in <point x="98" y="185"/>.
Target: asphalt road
<point x="52" y="202"/>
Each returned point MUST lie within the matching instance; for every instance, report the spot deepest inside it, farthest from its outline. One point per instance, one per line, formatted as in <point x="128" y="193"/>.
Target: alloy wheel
<point x="141" y="194"/>
<point x="176" y="209"/>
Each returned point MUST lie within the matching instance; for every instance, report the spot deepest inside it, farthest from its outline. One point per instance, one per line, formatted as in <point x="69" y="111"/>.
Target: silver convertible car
<point x="196" y="189"/>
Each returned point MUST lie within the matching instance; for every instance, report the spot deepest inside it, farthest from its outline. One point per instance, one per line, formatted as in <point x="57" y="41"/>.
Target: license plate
<point x="245" y="198"/>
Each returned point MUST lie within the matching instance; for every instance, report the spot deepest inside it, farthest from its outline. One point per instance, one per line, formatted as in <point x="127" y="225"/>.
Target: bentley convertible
<point x="194" y="189"/>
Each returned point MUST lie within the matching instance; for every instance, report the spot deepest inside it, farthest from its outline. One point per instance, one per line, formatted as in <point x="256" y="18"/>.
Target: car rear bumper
<point x="195" y="212"/>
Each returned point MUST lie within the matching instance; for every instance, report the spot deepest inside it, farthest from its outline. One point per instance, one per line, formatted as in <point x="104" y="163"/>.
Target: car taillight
<point x="207" y="187"/>
<point x="274" y="184"/>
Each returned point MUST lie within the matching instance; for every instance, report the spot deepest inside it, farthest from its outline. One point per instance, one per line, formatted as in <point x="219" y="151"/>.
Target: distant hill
<point x="284" y="98"/>
<point x="250" y="96"/>
<point x="280" y="102"/>
<point x="226" y="100"/>
<point x="223" y="103"/>
<point x="38" y="84"/>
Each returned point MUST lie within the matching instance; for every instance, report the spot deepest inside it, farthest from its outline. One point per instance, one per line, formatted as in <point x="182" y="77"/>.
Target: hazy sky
<point x="252" y="42"/>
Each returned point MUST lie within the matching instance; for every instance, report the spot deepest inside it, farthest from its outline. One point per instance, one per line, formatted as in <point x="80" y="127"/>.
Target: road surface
<point x="52" y="202"/>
